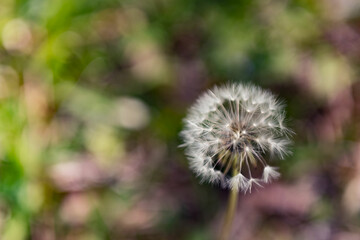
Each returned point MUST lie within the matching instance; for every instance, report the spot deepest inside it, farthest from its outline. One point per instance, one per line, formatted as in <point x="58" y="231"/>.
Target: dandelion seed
<point x="270" y="173"/>
<point x="238" y="182"/>
<point x="228" y="132"/>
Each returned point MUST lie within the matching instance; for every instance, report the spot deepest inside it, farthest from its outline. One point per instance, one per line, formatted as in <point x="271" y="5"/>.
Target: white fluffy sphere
<point x="230" y="132"/>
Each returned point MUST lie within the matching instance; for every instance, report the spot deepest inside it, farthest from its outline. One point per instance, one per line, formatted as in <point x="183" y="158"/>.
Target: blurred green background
<point x="92" y="96"/>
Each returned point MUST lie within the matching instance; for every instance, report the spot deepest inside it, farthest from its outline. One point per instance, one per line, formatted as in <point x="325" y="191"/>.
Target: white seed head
<point x="229" y="133"/>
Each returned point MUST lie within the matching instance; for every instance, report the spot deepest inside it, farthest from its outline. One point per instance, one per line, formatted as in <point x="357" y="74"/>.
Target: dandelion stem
<point x="232" y="203"/>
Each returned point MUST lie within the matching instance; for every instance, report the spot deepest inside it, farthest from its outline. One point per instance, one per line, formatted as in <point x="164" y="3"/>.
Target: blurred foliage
<point x="92" y="94"/>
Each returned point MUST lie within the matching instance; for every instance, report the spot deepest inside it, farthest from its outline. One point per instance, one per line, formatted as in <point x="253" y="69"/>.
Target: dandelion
<point x="229" y="134"/>
<point x="231" y="131"/>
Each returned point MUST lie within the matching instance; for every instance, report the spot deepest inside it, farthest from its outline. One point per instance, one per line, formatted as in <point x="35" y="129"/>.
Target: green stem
<point x="225" y="233"/>
<point x="232" y="203"/>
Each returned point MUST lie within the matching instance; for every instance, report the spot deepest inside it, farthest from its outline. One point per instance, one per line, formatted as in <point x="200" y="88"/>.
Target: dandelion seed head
<point x="231" y="131"/>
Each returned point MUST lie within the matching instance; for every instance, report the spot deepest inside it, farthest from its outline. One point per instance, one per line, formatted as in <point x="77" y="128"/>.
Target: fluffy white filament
<point x="230" y="131"/>
<point x="270" y="173"/>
